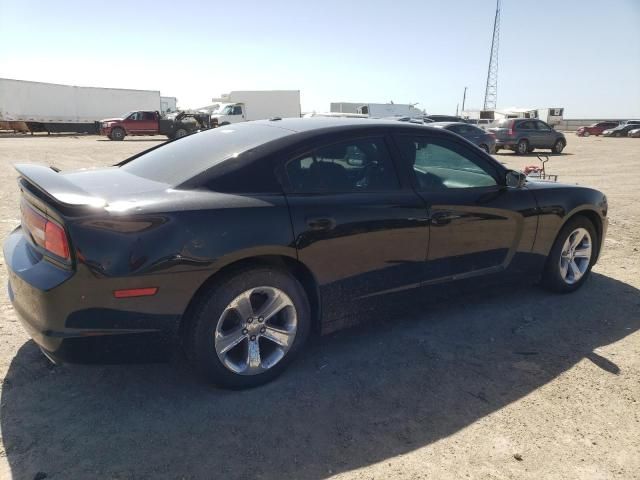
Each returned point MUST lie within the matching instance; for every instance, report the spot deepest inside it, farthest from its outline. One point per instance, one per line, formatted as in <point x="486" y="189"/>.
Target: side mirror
<point x="515" y="179"/>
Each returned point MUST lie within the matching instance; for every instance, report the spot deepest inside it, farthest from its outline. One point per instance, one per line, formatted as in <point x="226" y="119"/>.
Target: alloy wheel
<point x="575" y="256"/>
<point x="256" y="330"/>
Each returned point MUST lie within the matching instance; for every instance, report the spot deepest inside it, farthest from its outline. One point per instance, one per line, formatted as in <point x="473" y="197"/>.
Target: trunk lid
<point x="87" y="188"/>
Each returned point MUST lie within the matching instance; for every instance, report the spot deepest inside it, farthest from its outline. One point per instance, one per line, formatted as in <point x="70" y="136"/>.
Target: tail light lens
<point x="511" y="132"/>
<point x="45" y="233"/>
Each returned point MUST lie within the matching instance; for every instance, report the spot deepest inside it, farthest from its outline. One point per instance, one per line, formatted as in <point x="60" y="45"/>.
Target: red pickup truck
<point x="596" y="128"/>
<point x="152" y="123"/>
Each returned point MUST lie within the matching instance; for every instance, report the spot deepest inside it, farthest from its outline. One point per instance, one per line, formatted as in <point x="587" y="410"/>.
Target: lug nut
<point x="260" y="319"/>
<point x="245" y="331"/>
<point x="253" y="338"/>
<point x="250" y="320"/>
<point x="262" y="330"/>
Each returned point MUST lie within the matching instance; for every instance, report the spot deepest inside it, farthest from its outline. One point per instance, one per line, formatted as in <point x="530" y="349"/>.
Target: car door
<point x="359" y="229"/>
<point x="134" y="123"/>
<point x="547" y="135"/>
<point x="478" y="225"/>
<point x="149" y="123"/>
<point x="527" y="129"/>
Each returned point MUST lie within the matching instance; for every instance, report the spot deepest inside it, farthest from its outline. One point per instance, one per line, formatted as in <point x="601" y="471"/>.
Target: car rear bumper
<point x="71" y="316"/>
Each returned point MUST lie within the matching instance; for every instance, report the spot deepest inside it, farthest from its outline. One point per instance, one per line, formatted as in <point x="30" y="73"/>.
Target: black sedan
<point x="485" y="140"/>
<point x="243" y="240"/>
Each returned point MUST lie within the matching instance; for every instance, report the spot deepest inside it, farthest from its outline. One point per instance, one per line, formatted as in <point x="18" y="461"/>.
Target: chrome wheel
<point x="522" y="146"/>
<point x="256" y="330"/>
<point x="575" y="256"/>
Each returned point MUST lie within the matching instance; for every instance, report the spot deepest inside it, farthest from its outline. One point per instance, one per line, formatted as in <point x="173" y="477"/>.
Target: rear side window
<point x="180" y="160"/>
<point x="359" y="165"/>
<point x="528" y="125"/>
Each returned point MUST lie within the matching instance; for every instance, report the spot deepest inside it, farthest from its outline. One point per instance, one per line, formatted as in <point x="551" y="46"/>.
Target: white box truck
<point x="49" y="107"/>
<point x="242" y="106"/>
<point x="382" y="110"/>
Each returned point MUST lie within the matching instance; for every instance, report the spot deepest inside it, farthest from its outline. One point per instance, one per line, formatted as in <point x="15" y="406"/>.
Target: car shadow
<point x="146" y="139"/>
<point x="533" y="154"/>
<point x="354" y="398"/>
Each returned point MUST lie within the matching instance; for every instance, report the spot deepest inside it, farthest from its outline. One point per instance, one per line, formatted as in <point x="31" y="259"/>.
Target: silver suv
<point x="523" y="135"/>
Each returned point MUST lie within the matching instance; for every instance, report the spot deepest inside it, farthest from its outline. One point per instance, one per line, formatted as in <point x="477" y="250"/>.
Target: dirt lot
<point x="515" y="383"/>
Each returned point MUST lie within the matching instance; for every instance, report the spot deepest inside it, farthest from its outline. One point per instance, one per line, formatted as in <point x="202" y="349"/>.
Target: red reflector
<point x="135" y="292"/>
<point x="55" y="240"/>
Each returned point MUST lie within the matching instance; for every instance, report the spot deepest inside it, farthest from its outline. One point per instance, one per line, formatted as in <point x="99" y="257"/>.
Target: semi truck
<point x="173" y="125"/>
<point x="242" y="106"/>
<point x="49" y="107"/>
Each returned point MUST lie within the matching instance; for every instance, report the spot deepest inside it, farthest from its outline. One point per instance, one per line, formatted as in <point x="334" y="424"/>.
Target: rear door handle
<point x="444" y="218"/>
<point x="321" y="223"/>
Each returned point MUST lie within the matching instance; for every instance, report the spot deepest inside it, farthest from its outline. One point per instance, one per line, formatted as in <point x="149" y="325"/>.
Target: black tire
<point x="181" y="132"/>
<point x="117" y="134"/>
<point x="586" y="134"/>
<point x="552" y="277"/>
<point x="558" y="146"/>
<point x="530" y="149"/>
<point x="200" y="336"/>
<point x="522" y="147"/>
<point x="484" y="147"/>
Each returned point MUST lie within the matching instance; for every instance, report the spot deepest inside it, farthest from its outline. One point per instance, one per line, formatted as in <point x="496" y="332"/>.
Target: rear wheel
<point x="586" y="134"/>
<point x="249" y="327"/>
<point x="571" y="257"/>
<point x="117" y="134"/>
<point x="522" y="147"/>
<point x="558" y="146"/>
<point x="484" y="147"/>
<point x="530" y="149"/>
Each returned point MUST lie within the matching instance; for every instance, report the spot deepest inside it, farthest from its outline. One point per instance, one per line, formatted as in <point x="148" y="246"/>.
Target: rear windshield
<point x="178" y="161"/>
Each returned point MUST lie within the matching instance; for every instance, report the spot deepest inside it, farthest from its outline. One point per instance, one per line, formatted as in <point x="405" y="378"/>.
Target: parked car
<point x="596" y="128"/>
<point x="242" y="240"/>
<point x="444" y="118"/>
<point x="152" y="123"/>
<point x="485" y="140"/>
<point x="523" y="135"/>
<point x="620" y="131"/>
<point x="635" y="133"/>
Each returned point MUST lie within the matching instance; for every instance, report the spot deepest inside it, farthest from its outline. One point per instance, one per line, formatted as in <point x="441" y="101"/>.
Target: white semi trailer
<point x="49" y="107"/>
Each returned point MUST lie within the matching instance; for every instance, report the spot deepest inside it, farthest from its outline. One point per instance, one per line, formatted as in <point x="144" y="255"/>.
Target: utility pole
<point x="491" y="90"/>
<point x="464" y="97"/>
<point x="457" y="105"/>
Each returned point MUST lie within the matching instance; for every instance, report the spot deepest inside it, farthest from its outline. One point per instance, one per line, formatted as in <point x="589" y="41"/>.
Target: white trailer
<point x="168" y="104"/>
<point x="552" y="116"/>
<point x="242" y="106"/>
<point x="51" y="107"/>
<point x="382" y="110"/>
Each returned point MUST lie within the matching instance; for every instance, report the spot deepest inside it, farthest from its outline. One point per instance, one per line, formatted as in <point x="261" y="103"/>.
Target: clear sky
<point x="583" y="55"/>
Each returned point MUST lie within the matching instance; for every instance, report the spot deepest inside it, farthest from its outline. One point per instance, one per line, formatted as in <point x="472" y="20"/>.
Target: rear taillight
<point x="511" y="132"/>
<point x="45" y="233"/>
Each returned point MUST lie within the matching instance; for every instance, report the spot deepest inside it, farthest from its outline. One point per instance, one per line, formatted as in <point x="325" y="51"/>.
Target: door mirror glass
<point x="515" y="179"/>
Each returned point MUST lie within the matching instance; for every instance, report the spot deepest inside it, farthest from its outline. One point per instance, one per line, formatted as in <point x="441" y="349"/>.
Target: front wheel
<point x="249" y="327"/>
<point x="586" y="134"/>
<point x="181" y="132"/>
<point x="571" y="257"/>
<point x="117" y="134"/>
<point x="558" y="146"/>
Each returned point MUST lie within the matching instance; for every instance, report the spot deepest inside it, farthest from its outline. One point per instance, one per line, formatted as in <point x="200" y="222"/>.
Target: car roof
<point x="448" y="124"/>
<point x="315" y="123"/>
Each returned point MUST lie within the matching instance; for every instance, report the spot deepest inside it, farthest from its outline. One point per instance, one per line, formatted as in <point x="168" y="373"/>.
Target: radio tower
<point x="491" y="91"/>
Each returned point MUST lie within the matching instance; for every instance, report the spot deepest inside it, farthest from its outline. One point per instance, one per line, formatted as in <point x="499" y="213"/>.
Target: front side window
<point x="440" y="165"/>
<point x="237" y="110"/>
<point x="360" y="165"/>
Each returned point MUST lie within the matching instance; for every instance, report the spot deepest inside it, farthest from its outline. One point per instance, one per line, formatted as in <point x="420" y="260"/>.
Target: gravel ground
<point x="513" y="383"/>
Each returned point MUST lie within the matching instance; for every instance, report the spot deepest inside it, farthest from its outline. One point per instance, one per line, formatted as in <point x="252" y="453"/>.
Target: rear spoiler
<point x="56" y="186"/>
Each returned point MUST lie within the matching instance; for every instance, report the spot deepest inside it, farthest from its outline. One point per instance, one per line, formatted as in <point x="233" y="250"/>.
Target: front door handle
<point x="321" y="223"/>
<point x="444" y="218"/>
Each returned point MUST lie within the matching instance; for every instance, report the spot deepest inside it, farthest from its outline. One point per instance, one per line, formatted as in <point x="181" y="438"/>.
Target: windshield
<point x="178" y="161"/>
<point x="226" y="110"/>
